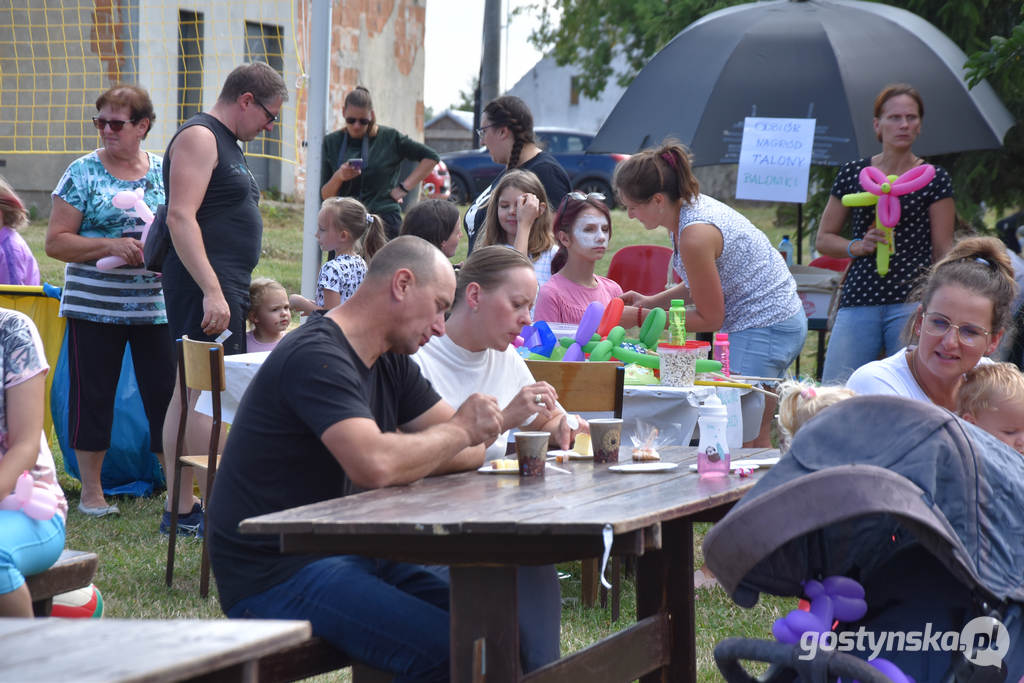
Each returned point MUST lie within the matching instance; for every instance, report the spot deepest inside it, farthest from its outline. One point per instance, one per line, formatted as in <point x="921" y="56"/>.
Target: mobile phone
<point x="357" y="164"/>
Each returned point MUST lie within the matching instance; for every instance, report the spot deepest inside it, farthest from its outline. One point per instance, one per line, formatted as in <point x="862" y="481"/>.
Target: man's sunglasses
<point x="351" y="120"/>
<point x="114" y="124"/>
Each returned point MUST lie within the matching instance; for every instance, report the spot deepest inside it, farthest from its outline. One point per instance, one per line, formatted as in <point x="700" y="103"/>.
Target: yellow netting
<point x="57" y="56"/>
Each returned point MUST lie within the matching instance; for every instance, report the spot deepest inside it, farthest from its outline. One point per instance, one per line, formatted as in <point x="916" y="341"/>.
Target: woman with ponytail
<point x="964" y="308"/>
<point x="733" y="280"/>
<point x="506" y="129"/>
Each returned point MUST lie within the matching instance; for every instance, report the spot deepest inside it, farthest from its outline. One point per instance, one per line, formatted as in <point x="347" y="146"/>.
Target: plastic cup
<point x="605" y="435"/>
<point x="679" y="362"/>
<point x="532" y="452"/>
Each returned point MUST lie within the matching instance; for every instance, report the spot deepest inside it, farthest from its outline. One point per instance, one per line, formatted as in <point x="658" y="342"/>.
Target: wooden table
<point x="141" y="649"/>
<point x="484" y="524"/>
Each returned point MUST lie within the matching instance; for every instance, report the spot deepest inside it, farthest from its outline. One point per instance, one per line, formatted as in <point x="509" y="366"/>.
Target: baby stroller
<point x="924" y="510"/>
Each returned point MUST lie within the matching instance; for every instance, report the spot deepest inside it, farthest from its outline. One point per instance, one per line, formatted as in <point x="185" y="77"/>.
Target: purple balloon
<point x="575" y="353"/>
<point x="813" y="589"/>
<point x="843" y="585"/>
<point x="589" y="322"/>
<point x="822" y="608"/>
<point x="796" y="623"/>
<point x="849" y="609"/>
<point x="891" y="670"/>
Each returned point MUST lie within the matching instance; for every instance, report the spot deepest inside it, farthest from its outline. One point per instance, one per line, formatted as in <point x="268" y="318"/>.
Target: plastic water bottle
<point x="786" y="249"/>
<point x="677" y="322"/>
<point x="721" y="351"/>
<point x="713" y="449"/>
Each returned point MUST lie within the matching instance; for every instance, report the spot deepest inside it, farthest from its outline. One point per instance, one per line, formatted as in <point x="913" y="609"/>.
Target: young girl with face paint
<point x="583" y="230"/>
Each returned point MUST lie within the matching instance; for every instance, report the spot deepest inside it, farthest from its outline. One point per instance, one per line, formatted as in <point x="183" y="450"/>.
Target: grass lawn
<point x="132" y="552"/>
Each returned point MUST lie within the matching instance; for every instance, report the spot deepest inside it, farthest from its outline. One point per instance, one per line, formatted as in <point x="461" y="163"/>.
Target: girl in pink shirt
<point x="583" y="230"/>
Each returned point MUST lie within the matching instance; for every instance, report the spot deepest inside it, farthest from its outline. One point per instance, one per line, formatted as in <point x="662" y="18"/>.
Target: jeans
<point x="391" y="616"/>
<point x="766" y="352"/>
<point x="27" y="546"/>
<point x="859" y="335"/>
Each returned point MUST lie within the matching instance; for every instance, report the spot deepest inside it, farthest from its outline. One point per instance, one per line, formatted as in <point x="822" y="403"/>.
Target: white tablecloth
<point x="673" y="410"/>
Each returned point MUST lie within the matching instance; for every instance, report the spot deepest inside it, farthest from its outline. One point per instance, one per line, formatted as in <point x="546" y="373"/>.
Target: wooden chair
<point x="586" y="388"/>
<point x="201" y="368"/>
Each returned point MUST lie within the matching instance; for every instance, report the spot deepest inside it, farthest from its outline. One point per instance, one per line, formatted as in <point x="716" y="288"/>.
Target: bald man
<point x="321" y="420"/>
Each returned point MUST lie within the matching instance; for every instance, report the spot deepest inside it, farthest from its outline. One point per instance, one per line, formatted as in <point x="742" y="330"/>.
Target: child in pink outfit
<point x="17" y="264"/>
<point x="583" y="230"/>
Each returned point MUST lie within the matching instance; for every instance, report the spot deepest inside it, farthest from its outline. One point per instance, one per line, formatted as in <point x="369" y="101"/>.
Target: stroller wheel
<point x="787" y="664"/>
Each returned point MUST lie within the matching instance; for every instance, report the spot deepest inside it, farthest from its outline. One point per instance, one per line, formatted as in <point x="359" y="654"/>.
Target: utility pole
<point x="490" y="61"/>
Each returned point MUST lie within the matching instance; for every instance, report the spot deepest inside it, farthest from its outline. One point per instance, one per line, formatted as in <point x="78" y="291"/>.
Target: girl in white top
<point x="519" y="216"/>
<point x="963" y="312"/>
<point x="732" y="278"/>
<point x="344" y="227"/>
<point x="496" y="288"/>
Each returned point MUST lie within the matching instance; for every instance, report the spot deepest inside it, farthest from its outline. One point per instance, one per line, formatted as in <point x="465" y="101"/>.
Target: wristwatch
<point x="402" y="187"/>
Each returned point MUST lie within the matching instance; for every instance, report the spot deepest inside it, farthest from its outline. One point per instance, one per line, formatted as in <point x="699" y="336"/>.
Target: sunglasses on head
<point x="115" y="125"/>
<point x="580" y="197"/>
<point x="351" y="120"/>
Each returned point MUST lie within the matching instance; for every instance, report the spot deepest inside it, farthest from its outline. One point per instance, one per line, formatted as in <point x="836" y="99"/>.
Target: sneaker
<point x="190" y="524"/>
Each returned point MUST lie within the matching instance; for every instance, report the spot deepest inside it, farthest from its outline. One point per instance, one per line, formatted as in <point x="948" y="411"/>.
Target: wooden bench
<point x="74" y="569"/>
<point x="313" y="657"/>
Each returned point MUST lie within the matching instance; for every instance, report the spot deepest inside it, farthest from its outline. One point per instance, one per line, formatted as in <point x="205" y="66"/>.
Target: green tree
<point x="589" y="32"/>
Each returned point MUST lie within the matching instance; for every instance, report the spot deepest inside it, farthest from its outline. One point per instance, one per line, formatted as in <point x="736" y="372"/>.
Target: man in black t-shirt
<point x="319" y="421"/>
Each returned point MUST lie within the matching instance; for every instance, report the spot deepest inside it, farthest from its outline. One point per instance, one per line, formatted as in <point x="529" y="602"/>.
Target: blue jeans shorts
<point x="27" y="546"/>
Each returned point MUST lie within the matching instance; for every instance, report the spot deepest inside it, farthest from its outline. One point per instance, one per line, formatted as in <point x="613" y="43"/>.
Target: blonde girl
<point x="269" y="314"/>
<point x="800" y="401"/>
<point x="17" y="264"/>
<point x="345" y="228"/>
<point x="518" y="216"/>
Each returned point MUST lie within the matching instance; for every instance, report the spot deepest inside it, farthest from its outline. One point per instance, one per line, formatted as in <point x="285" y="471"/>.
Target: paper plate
<point x="645" y="467"/>
<point x="487" y="469"/>
<point x="573" y="455"/>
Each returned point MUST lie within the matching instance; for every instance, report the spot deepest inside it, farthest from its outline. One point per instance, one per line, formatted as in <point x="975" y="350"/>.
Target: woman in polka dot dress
<point x="873" y="309"/>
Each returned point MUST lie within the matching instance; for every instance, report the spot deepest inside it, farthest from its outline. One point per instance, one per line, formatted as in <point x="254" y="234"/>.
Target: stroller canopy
<point x="862" y="480"/>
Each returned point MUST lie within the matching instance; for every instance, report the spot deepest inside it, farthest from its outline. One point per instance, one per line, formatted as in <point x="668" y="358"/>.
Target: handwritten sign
<point x="775" y="159"/>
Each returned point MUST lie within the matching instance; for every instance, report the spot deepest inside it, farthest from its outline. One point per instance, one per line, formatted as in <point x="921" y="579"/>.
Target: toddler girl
<point x="268" y="313"/>
<point x="992" y="397"/>
<point x="17" y="264"/>
<point x="800" y="401"/>
<point x="518" y="216"/>
<point x="583" y="229"/>
<point x="345" y="228"/>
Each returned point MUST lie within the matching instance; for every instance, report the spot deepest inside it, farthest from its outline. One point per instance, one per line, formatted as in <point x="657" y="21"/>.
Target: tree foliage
<point x="590" y="32"/>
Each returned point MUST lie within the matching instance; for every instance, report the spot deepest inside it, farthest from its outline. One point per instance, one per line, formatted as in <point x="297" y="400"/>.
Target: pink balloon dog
<point x="37" y="503"/>
<point x="131" y="202"/>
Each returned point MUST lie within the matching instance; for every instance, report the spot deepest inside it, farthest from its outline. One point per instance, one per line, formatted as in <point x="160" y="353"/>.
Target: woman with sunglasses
<point x="106" y="309"/>
<point x="363" y="159"/>
<point x="964" y="308"/>
<point x="733" y="280"/>
<point x="506" y="130"/>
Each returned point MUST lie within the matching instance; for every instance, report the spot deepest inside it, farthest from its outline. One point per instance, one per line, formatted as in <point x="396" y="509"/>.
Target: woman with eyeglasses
<point x="506" y="130"/>
<point x="106" y="309"/>
<point x="363" y="160"/>
<point x="964" y="308"/>
<point x="733" y="280"/>
<point x="873" y="309"/>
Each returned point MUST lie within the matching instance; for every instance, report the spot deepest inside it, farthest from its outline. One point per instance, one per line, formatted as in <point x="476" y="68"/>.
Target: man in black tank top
<point x="215" y="227"/>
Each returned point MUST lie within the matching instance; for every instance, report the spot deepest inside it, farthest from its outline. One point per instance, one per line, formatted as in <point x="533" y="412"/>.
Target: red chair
<point x="642" y="268"/>
<point x="830" y="262"/>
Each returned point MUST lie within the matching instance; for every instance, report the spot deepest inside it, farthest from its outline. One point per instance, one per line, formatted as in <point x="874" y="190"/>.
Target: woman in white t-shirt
<point x="496" y="289"/>
<point x="964" y="310"/>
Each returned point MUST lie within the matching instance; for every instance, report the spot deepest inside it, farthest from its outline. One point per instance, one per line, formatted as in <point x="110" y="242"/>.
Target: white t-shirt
<point x="456" y="373"/>
<point x="891" y="377"/>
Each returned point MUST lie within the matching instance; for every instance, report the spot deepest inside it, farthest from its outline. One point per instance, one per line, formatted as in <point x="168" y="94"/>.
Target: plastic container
<point x="786" y="249"/>
<point x="677" y="322"/>
<point x="713" y="448"/>
<point x="721" y="351"/>
<point x="679" y="362"/>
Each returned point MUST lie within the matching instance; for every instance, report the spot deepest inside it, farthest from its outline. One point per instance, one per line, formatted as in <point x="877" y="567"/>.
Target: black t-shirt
<point x="863" y="285"/>
<point x="551" y="175"/>
<point x="274" y="458"/>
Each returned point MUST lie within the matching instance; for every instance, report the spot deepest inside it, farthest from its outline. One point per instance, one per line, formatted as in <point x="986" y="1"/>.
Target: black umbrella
<point x="821" y="59"/>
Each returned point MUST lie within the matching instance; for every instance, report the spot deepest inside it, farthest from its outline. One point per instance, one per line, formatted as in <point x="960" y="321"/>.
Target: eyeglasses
<point x="115" y="124"/>
<point x="937" y="325"/>
<point x="480" y="131"/>
<point x="271" y="118"/>
<point x="579" y="196"/>
<point x="351" y="120"/>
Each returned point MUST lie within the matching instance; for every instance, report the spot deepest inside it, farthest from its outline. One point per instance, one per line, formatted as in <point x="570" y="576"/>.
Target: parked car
<point x="438" y="183"/>
<point x="472" y="170"/>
